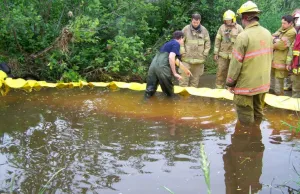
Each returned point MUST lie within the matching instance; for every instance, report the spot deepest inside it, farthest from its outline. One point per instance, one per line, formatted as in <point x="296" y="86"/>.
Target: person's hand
<point x="189" y="73"/>
<point x="177" y="76"/>
<point x="216" y="57"/>
<point x="288" y="67"/>
<point x="231" y="90"/>
<point x="276" y="40"/>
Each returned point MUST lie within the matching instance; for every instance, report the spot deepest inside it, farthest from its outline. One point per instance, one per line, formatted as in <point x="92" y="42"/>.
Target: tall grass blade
<point x="205" y="166"/>
<point x="169" y="190"/>
<point x="12" y="183"/>
<point x="41" y="191"/>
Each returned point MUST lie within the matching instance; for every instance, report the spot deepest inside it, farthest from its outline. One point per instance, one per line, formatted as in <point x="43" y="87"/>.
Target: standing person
<point x="224" y="41"/>
<point x="282" y="40"/>
<point x="194" y="51"/>
<point x="295" y="66"/>
<point x="243" y="160"/>
<point x="163" y="67"/>
<point x="250" y="67"/>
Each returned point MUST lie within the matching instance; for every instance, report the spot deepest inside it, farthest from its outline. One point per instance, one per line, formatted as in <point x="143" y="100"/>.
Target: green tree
<point x="69" y="40"/>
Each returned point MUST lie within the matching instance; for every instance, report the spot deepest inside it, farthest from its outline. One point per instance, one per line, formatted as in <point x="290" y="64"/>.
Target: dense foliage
<point x="68" y="40"/>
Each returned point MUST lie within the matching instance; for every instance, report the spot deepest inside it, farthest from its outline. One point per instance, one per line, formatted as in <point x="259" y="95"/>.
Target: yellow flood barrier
<point x="284" y="102"/>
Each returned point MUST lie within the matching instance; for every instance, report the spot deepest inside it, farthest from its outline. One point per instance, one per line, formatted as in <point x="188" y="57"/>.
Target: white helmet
<point x="296" y="16"/>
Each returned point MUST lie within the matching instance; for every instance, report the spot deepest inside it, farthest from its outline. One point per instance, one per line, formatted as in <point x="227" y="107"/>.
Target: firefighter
<point x="295" y="65"/>
<point x="163" y="67"/>
<point x="243" y="160"/>
<point x="194" y="51"/>
<point x="282" y="40"/>
<point x="250" y="67"/>
<point x="225" y="38"/>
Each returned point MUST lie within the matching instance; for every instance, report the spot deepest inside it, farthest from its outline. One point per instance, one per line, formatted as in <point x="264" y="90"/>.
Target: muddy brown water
<point x="114" y="142"/>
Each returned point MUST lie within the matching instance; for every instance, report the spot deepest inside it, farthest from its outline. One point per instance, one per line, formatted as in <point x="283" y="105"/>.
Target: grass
<point x="210" y="64"/>
<point x="292" y="128"/>
<point x="295" y="129"/>
<point x="205" y="166"/>
<point x="12" y="183"/>
<point x="169" y="190"/>
<point x="42" y="190"/>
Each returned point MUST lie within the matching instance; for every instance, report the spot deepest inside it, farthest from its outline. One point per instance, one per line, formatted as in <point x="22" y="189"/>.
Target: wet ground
<point x="102" y="141"/>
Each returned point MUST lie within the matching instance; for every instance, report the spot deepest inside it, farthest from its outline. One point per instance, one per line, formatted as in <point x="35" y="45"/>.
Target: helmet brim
<point x="297" y="15"/>
<point x="239" y="13"/>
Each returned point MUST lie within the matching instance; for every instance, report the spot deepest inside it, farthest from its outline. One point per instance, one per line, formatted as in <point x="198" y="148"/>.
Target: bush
<point x="107" y="39"/>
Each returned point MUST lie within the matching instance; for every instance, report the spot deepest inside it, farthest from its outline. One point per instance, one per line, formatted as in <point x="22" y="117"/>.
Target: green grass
<point x="210" y="65"/>
<point x="169" y="190"/>
<point x="42" y="190"/>
<point x="292" y="128"/>
<point x="12" y="183"/>
<point x="205" y="166"/>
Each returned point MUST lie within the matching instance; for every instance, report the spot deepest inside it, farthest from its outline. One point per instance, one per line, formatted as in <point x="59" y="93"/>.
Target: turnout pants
<point x="223" y="65"/>
<point x="249" y="108"/>
<point x="192" y="81"/>
<point x="295" y="86"/>
<point x="277" y="81"/>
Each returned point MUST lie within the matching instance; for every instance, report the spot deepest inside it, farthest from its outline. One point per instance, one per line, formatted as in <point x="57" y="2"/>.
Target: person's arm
<point x="275" y="36"/>
<point x="206" y="44"/>
<point x="172" y="56"/>
<point x="217" y="46"/>
<point x="236" y="62"/>
<point x="289" y="58"/>
<point x="286" y="40"/>
<point x="182" y="47"/>
<point x="183" y="68"/>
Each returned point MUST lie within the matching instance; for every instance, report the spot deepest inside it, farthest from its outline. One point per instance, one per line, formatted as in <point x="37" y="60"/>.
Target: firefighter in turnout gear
<point x="282" y="40"/>
<point x="294" y="53"/>
<point x="243" y="160"/>
<point x="194" y="51"/>
<point x="250" y="67"/>
<point x="224" y="41"/>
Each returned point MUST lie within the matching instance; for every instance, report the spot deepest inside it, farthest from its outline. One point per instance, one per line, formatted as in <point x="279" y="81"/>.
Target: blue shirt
<point x="171" y="46"/>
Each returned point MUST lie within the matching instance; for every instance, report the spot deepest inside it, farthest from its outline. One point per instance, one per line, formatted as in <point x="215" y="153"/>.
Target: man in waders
<point x="295" y="52"/>
<point x="163" y="67"/>
<point x="250" y="67"/>
<point x="6" y="69"/>
<point x="282" y="40"/>
<point x="194" y="51"/>
<point x="224" y="41"/>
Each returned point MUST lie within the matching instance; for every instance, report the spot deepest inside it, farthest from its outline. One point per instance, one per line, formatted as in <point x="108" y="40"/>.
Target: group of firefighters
<point x="251" y="61"/>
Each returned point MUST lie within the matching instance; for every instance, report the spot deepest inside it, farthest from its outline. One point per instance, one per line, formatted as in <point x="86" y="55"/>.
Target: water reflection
<point x="113" y="142"/>
<point x="243" y="160"/>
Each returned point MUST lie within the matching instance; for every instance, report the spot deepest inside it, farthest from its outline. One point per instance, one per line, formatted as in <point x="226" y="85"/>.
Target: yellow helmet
<point x="229" y="15"/>
<point x="247" y="7"/>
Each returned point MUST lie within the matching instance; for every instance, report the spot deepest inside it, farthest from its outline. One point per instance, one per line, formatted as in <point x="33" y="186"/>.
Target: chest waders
<point x="160" y="73"/>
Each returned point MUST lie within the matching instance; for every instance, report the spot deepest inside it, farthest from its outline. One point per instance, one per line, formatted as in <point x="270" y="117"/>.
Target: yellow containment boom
<point x="284" y="102"/>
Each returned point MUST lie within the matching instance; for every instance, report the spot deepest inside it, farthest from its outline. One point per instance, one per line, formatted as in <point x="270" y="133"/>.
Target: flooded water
<point x="114" y="142"/>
